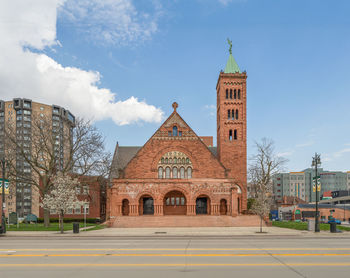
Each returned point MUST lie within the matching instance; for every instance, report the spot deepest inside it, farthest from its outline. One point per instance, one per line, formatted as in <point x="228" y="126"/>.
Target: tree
<point x="263" y="165"/>
<point x="62" y="196"/>
<point x="51" y="149"/>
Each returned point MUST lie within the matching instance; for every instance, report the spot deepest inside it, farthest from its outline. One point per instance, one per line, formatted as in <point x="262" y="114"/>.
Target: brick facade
<point x="177" y="172"/>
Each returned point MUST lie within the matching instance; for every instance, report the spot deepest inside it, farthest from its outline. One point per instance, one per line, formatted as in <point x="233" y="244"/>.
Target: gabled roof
<point x="232" y="66"/>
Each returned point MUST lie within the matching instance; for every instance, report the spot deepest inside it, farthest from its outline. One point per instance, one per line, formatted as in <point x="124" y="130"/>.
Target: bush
<point x="70" y="220"/>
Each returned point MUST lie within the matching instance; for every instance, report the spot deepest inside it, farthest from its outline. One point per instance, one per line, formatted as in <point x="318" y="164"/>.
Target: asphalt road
<point x="175" y="257"/>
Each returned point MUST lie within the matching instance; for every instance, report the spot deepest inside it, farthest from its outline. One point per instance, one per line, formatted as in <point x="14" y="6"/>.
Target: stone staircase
<point x="148" y="221"/>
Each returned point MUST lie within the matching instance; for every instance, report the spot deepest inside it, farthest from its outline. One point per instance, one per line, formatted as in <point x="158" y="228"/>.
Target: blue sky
<point x="135" y="58"/>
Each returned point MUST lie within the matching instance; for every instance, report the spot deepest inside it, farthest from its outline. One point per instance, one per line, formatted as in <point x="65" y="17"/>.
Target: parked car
<point x="334" y="220"/>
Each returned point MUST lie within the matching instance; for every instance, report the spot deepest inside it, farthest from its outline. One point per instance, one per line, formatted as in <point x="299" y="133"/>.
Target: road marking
<point x="172" y="265"/>
<point x="182" y="249"/>
<point x="173" y="255"/>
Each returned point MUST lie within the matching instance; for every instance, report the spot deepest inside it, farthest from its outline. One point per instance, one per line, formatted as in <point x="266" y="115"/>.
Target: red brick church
<point x="176" y="172"/>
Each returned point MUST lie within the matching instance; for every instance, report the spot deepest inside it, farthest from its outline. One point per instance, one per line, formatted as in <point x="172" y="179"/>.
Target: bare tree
<point x="263" y="165"/>
<point x="62" y="196"/>
<point x="51" y="149"/>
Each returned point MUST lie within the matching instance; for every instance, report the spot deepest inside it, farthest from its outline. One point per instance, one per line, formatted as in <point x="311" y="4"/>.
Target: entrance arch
<point x="223" y="207"/>
<point x="203" y="204"/>
<point x="146" y="205"/>
<point x="174" y="203"/>
<point x="125" y="207"/>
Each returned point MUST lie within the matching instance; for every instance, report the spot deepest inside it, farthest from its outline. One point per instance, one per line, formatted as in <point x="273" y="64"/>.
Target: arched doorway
<point x="146" y="205"/>
<point x="223" y="207"/>
<point x="125" y="207"/>
<point x="174" y="203"/>
<point x="203" y="205"/>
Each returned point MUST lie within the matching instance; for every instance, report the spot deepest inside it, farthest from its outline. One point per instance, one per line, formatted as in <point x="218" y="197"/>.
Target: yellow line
<point x="172" y="255"/>
<point x="167" y="265"/>
<point x="177" y="249"/>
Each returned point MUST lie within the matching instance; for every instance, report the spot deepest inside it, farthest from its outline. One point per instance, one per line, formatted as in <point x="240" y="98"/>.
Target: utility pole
<point x="3" y="219"/>
<point x="316" y="161"/>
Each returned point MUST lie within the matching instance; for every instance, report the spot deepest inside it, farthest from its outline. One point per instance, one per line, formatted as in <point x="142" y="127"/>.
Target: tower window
<point x="239" y="93"/>
<point x="160" y="172"/>
<point x="235" y="94"/>
<point x="167" y="172"/>
<point x="233" y="114"/>
<point x="230" y="93"/>
<point x="174" y="173"/>
<point x="235" y="134"/>
<point x="226" y="93"/>
<point x="175" y="131"/>
<point x="230" y="135"/>
<point x="228" y="114"/>
<point x="236" y="114"/>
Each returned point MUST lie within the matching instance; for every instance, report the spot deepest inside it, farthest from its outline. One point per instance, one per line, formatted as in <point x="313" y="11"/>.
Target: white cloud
<point x="30" y="25"/>
<point x="111" y="21"/>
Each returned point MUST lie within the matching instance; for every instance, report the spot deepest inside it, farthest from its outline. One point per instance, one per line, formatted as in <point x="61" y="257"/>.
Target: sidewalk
<point x="178" y="232"/>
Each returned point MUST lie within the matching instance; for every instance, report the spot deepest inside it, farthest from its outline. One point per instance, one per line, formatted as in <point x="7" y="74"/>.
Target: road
<point x="241" y="256"/>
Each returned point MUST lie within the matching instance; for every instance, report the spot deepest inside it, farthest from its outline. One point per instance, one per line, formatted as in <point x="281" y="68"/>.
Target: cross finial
<point x="230" y="44"/>
<point x="175" y="105"/>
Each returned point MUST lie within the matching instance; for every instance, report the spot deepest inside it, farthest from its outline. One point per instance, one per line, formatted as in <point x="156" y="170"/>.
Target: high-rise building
<point x="21" y="114"/>
<point x="300" y="184"/>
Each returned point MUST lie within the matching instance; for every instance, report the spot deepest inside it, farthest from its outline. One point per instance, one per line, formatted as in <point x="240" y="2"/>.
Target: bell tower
<point x="231" y="92"/>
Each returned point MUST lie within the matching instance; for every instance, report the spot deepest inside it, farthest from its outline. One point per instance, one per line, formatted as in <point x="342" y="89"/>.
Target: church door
<point x="148" y="207"/>
<point x="223" y="207"/>
<point x="201" y="206"/>
<point x="125" y="207"/>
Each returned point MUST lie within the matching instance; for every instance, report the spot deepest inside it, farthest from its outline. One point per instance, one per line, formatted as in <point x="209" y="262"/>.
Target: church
<point x="178" y="173"/>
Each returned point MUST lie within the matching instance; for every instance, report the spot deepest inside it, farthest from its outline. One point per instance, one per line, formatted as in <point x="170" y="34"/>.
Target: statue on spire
<point x="230" y="44"/>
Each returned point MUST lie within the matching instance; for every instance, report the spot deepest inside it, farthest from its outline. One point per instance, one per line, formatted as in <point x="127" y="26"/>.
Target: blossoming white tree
<point x="62" y="196"/>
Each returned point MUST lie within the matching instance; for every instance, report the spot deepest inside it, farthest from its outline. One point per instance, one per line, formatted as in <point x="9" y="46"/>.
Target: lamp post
<point x="316" y="161"/>
<point x="3" y="221"/>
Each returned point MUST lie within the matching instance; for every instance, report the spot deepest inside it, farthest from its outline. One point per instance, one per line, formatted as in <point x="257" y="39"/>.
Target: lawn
<point x="40" y="227"/>
<point x="303" y="226"/>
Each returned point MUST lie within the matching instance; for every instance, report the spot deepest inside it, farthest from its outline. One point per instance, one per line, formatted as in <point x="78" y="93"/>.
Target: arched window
<point x="175" y="131"/>
<point x="235" y="94"/>
<point x="175" y="160"/>
<point x="228" y="114"/>
<point x="183" y="161"/>
<point x="226" y="93"/>
<point x="230" y="93"/>
<point x="170" y="160"/>
<point x="160" y="172"/>
<point x="189" y="172"/>
<point x="230" y="135"/>
<point x="166" y="161"/>
<point x="182" y="172"/>
<point x="236" y="114"/>
<point x="235" y="134"/>
<point x="233" y="114"/>
<point x="187" y="160"/>
<point x="239" y="93"/>
<point x="174" y="173"/>
<point x="162" y="160"/>
<point x="167" y="172"/>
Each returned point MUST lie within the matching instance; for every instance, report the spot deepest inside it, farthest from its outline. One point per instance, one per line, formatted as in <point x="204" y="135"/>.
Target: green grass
<point x="303" y="226"/>
<point x="40" y="227"/>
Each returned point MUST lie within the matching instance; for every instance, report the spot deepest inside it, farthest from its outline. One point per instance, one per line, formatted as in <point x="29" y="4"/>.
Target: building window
<point x="233" y="114"/>
<point x="77" y="210"/>
<point x="70" y="211"/>
<point x="235" y="94"/>
<point x="189" y="172"/>
<point x="174" y="173"/>
<point x="169" y="133"/>
<point x="230" y="93"/>
<point x="228" y="114"/>
<point x="175" y="131"/>
<point x="235" y="134"/>
<point x="182" y="172"/>
<point x="230" y="135"/>
<point x="239" y="93"/>
<point x="86" y="208"/>
<point x="226" y="93"/>
<point x="167" y="172"/>
<point x="85" y="190"/>
<point x="236" y="114"/>
<point x="160" y="172"/>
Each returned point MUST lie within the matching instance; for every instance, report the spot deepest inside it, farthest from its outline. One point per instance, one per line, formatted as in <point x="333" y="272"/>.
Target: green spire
<point x="231" y="65"/>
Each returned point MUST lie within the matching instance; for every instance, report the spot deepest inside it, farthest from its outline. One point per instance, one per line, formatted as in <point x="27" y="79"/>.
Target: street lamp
<point x="3" y="219"/>
<point x="316" y="161"/>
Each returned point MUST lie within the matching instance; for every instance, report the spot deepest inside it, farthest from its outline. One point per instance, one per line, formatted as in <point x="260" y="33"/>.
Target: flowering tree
<point x="264" y="164"/>
<point x="62" y="195"/>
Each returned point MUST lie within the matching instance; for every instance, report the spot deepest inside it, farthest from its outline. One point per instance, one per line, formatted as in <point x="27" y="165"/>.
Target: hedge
<point x="70" y="220"/>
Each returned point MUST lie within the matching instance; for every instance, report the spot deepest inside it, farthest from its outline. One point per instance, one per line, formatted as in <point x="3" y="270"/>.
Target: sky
<point x="122" y="63"/>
